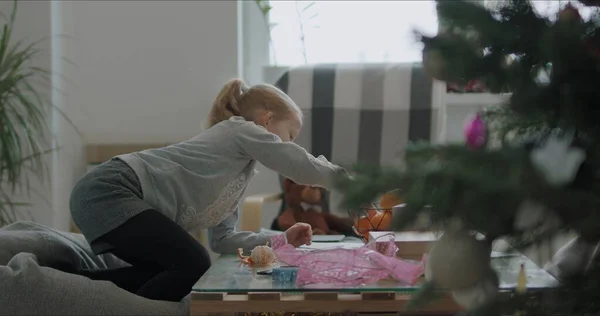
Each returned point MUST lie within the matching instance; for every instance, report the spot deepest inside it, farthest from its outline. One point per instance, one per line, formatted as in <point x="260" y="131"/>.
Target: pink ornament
<point x="475" y="132"/>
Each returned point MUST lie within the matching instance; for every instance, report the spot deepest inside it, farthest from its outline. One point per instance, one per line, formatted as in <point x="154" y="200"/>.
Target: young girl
<point x="141" y="206"/>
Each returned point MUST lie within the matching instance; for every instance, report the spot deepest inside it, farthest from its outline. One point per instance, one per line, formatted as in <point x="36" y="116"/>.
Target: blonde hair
<point x="238" y="99"/>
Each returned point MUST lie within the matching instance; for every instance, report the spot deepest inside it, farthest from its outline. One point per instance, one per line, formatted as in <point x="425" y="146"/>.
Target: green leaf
<point x="266" y="9"/>
<point x="264" y="6"/>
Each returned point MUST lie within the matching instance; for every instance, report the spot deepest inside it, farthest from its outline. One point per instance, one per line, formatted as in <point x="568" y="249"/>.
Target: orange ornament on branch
<point x="374" y="221"/>
<point x="390" y="200"/>
<point x="363" y="225"/>
<point x="382" y="220"/>
<point x="377" y="218"/>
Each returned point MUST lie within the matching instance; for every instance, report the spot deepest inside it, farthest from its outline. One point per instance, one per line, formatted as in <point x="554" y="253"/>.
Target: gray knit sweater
<point x="199" y="183"/>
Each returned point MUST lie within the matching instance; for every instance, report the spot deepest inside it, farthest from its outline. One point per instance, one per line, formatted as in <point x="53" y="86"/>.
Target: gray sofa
<point x="33" y="259"/>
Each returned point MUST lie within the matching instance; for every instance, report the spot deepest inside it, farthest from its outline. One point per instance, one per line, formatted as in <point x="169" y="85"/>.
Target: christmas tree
<point x="528" y="170"/>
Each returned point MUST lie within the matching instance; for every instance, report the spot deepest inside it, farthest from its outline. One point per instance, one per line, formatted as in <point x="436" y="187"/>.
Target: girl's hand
<point x="344" y="173"/>
<point x="299" y="234"/>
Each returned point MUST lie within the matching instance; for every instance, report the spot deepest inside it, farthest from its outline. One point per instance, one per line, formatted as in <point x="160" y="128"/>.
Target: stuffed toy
<point x="304" y="204"/>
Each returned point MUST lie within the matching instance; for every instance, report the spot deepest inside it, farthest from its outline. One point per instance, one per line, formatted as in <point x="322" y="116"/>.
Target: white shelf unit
<point x="460" y="106"/>
<point x="475" y="99"/>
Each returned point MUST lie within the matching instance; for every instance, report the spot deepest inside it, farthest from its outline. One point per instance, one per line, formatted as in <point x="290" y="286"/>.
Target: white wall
<point x="149" y="70"/>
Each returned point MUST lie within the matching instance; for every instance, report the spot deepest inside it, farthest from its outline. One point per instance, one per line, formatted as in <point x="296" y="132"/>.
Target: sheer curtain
<point x="348" y="31"/>
<point x="361" y="31"/>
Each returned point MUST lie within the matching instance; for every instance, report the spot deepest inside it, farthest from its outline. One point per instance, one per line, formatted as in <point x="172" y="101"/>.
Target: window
<point x="361" y="31"/>
<point x="348" y="31"/>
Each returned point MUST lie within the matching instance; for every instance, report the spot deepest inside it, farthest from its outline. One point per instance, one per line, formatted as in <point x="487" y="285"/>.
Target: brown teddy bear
<point x="304" y="204"/>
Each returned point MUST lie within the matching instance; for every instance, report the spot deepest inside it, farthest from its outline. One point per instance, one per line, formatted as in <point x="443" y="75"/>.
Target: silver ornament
<point x="458" y="261"/>
<point x="479" y="294"/>
<point x="531" y="215"/>
<point x="557" y="160"/>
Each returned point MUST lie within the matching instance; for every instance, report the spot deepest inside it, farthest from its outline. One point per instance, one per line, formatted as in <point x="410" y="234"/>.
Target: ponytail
<point x="227" y="103"/>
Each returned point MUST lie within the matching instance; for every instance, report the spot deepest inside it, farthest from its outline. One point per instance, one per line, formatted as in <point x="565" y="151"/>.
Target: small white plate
<point x="328" y="238"/>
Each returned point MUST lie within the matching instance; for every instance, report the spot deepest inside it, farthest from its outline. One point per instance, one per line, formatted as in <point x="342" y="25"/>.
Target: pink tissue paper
<point x="367" y="264"/>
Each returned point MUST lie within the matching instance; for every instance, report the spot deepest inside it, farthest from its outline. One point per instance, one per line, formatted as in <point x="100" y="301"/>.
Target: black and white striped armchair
<point x="359" y="113"/>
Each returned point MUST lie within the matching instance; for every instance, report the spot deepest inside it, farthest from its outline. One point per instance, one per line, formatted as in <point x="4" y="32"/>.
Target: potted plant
<point x="24" y="116"/>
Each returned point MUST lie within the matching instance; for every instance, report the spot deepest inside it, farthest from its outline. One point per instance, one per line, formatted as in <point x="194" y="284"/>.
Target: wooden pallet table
<point x="320" y="303"/>
<point x="230" y="288"/>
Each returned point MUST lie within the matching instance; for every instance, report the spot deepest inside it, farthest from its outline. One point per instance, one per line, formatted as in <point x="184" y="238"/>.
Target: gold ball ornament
<point x="434" y="64"/>
<point x="457" y="261"/>
<point x="262" y="255"/>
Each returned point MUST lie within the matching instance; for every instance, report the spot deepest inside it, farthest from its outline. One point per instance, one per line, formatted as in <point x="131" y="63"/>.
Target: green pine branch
<point x="485" y="188"/>
<point x="508" y="48"/>
<point x="449" y="180"/>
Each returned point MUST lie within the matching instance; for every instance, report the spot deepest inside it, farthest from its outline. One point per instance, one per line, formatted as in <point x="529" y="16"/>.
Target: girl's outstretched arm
<point x="286" y="158"/>
<point x="224" y="239"/>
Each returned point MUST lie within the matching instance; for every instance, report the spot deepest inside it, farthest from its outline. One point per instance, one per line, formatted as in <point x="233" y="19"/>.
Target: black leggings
<point x="166" y="260"/>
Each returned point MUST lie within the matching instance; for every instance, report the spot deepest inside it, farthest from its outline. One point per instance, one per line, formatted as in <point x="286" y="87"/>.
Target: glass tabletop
<point x="229" y="275"/>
